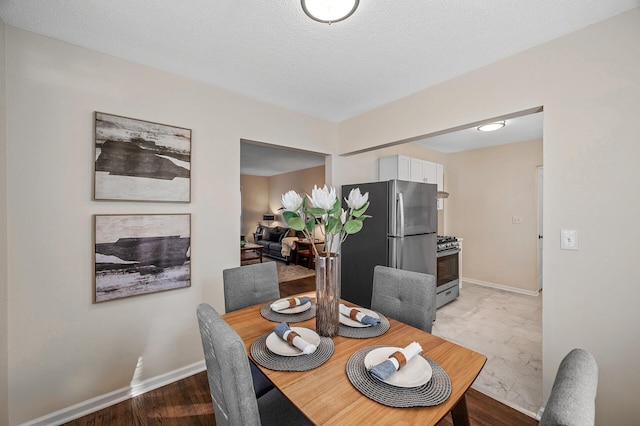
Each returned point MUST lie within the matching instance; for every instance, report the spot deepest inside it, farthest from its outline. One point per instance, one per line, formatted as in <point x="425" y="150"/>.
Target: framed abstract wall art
<point x="139" y="160"/>
<point x="141" y="254"/>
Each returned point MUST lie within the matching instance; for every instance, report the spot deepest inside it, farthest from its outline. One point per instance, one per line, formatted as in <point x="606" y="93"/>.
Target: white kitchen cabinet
<point x="423" y="171"/>
<point x="412" y="169"/>
<point x="394" y="167"/>
<point x="440" y="176"/>
<point x="440" y="182"/>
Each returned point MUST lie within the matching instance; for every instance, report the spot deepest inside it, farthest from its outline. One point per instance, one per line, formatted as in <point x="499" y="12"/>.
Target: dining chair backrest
<point x="230" y="383"/>
<point x="407" y="296"/>
<point x="228" y="372"/>
<point x="573" y="396"/>
<point x="245" y="286"/>
<point x="249" y="285"/>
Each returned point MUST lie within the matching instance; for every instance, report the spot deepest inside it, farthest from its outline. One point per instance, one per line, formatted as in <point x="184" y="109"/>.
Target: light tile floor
<point x="507" y="328"/>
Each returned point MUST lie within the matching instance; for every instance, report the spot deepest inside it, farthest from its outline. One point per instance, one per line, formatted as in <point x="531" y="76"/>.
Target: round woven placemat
<point x="272" y="315"/>
<point x="263" y="356"/>
<point x="365" y="332"/>
<point x="434" y="392"/>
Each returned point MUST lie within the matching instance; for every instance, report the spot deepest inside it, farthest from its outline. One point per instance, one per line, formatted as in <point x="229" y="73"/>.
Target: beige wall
<point x="488" y="187"/>
<point x="255" y="202"/>
<point x="301" y="181"/>
<point x="4" y="384"/>
<point x="63" y="349"/>
<point x="589" y="85"/>
<point x="262" y="195"/>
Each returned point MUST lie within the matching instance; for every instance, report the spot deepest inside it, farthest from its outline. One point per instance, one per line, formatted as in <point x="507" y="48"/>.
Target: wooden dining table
<point x="325" y="394"/>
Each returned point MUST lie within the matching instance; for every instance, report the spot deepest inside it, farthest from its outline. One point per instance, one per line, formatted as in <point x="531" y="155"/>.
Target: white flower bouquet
<point x="302" y="212"/>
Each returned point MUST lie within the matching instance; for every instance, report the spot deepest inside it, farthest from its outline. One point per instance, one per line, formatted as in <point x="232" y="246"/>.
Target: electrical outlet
<point x="569" y="239"/>
<point x="517" y="220"/>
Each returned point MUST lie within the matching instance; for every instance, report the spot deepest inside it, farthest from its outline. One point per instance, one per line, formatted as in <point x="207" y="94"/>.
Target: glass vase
<point x="327" y="294"/>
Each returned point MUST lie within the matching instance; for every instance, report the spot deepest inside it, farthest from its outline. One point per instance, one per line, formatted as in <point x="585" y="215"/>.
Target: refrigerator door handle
<point x="400" y="214"/>
<point x="395" y="253"/>
<point x="392" y="253"/>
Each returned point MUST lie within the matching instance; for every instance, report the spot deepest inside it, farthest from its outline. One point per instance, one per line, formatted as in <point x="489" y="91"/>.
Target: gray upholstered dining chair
<point x="409" y="297"/>
<point x="251" y="284"/>
<point x="573" y="396"/>
<point x="232" y="393"/>
<point x="245" y="286"/>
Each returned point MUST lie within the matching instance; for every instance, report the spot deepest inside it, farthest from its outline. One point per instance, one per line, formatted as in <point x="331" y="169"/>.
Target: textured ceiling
<point x="271" y="51"/>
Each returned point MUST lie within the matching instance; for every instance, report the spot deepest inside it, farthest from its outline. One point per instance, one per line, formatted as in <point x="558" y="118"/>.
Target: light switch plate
<point x="569" y="239"/>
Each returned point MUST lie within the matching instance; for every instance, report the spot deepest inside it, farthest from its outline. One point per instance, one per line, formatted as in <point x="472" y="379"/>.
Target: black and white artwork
<point x="141" y="161"/>
<point x="141" y="254"/>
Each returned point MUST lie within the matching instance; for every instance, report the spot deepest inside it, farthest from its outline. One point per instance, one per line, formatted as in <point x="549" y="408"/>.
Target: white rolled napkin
<point x="386" y="368"/>
<point x="356" y="315"/>
<point x="289" y="303"/>
<point x="294" y="339"/>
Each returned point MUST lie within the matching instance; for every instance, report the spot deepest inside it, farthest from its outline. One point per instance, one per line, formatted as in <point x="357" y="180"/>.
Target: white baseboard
<point x="500" y="286"/>
<point x="98" y="403"/>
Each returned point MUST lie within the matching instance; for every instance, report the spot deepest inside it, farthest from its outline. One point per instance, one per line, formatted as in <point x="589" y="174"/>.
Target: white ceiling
<point x="518" y="129"/>
<point x="271" y="51"/>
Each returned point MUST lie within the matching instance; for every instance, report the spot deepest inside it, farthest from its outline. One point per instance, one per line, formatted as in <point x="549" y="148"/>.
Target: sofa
<point x="271" y="240"/>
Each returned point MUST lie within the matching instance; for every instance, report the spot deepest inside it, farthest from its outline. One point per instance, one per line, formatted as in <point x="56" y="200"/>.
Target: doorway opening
<point x="540" y="224"/>
<point x="493" y="185"/>
<point x="266" y="172"/>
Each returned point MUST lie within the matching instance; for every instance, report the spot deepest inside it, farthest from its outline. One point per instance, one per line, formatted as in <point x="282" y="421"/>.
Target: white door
<point x="540" y="228"/>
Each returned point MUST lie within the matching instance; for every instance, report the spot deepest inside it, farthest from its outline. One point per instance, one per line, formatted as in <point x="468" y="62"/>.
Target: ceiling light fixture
<point x="490" y="127"/>
<point x="329" y="11"/>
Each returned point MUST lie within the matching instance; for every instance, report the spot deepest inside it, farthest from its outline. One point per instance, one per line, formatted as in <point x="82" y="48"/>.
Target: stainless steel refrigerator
<point x="401" y="234"/>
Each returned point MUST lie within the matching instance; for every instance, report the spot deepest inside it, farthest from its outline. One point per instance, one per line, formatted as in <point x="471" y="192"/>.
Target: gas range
<point x="448" y="266"/>
<point x="446" y="245"/>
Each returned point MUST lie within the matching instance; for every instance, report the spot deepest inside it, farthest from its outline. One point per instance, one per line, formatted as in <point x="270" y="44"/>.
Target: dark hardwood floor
<point x="297" y="286"/>
<point x="188" y="402"/>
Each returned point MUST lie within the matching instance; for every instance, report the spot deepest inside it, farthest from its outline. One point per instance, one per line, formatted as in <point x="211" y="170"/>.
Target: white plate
<point x="281" y="347"/>
<point x="295" y="309"/>
<point x="416" y="372"/>
<point x="353" y="323"/>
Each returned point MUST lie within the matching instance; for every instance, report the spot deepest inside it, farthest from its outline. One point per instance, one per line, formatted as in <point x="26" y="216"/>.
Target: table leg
<point x="460" y="414"/>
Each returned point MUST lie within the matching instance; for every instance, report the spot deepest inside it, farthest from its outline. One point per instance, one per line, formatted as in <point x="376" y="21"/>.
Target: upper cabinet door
<point x="417" y="170"/>
<point x="410" y="169"/>
<point x="394" y="167"/>
<point x="423" y="171"/>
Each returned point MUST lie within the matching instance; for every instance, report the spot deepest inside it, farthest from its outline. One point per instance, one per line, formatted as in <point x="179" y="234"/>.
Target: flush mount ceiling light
<point x="490" y="127"/>
<point x="329" y="11"/>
